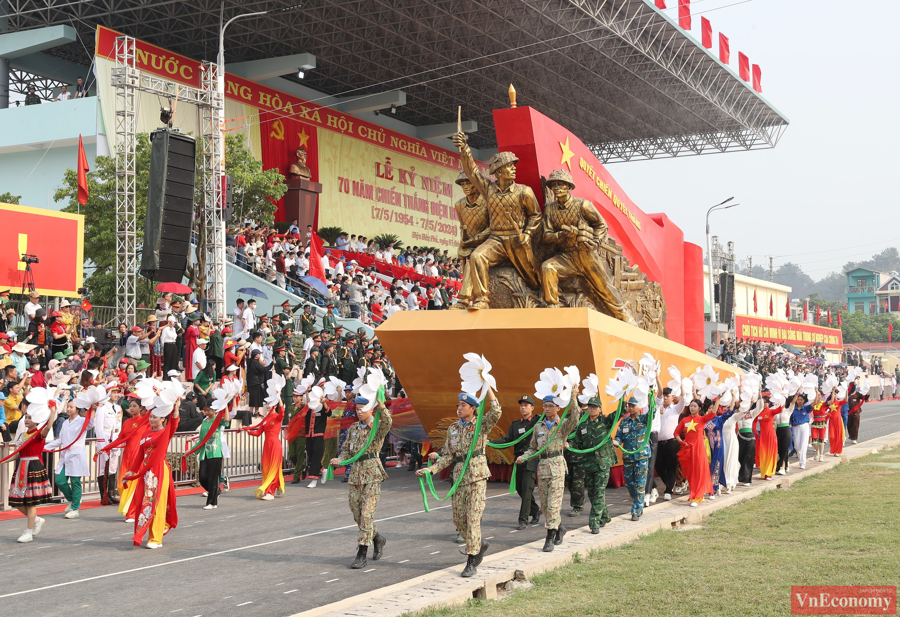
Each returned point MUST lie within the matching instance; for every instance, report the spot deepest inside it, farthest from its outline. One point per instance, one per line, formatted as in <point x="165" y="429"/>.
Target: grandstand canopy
<point x="619" y="73"/>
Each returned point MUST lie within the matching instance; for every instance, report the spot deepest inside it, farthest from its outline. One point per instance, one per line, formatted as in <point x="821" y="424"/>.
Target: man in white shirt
<point x="238" y="314"/>
<point x="339" y="267"/>
<point x="133" y="343"/>
<point x="326" y="263"/>
<point x="65" y="95"/>
<point x="168" y="337"/>
<point x="199" y="358"/>
<point x="667" y="446"/>
<point x="249" y="317"/>
<point x="34" y="303"/>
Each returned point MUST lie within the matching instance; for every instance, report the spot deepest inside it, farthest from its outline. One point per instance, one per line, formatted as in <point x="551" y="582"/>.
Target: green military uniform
<point x="551" y="472"/>
<point x="468" y="500"/>
<point x="596" y="464"/>
<point x="631" y="435"/>
<point x="346" y="364"/>
<point x="329" y="323"/>
<point x="308" y="323"/>
<point x="297" y="448"/>
<point x="367" y="473"/>
<point x="575" y="481"/>
<point x="328" y="364"/>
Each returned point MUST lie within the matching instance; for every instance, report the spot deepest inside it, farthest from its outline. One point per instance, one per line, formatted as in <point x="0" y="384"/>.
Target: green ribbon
<point x="652" y="405"/>
<point x="518" y="439"/>
<point x="329" y="473"/>
<point x="428" y="476"/>
<point x="608" y="434"/>
<point x="512" y="478"/>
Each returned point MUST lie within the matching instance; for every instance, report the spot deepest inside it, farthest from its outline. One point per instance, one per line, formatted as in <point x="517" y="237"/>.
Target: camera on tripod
<point x="30" y="259"/>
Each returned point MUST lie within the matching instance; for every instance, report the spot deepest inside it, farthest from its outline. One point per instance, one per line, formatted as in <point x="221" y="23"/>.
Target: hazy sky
<point x="830" y="67"/>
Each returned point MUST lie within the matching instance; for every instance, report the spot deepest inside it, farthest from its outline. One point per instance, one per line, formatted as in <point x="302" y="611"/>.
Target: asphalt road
<point x="251" y="557"/>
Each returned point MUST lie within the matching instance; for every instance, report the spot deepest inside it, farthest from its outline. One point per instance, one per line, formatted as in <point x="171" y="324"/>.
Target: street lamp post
<point x="712" y="288"/>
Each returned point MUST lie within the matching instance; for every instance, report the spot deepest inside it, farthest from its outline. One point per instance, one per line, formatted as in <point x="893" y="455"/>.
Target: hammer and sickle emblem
<point x="277" y="130"/>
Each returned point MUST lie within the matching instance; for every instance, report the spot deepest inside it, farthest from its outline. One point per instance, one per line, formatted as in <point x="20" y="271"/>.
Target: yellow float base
<point x="426" y="349"/>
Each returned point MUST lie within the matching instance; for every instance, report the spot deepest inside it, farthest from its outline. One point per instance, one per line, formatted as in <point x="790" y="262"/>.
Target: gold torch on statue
<point x="518" y="257"/>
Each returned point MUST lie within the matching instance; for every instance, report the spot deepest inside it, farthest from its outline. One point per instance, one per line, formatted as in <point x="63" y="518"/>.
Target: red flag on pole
<point x="316" y="252"/>
<point x="684" y="14"/>
<point x="829" y="317"/>
<point x="771" y="307"/>
<point x="724" y="51"/>
<point x="805" y="310"/>
<point x="86" y="306"/>
<point x="757" y="78"/>
<point x="744" y="66"/>
<point x="83" y="170"/>
<point x="754" y="302"/>
<point x="818" y="314"/>
<point x="787" y="308"/>
<point x="840" y="323"/>
<point x="890" y="331"/>
<point x="660" y="4"/>
<point x="706" y="27"/>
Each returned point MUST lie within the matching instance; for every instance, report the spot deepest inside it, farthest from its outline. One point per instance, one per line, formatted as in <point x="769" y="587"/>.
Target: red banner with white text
<point x="797" y="334"/>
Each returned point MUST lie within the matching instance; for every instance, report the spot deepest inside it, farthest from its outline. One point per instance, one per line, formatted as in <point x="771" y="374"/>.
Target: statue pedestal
<point x="426" y="349"/>
<point x="301" y="202"/>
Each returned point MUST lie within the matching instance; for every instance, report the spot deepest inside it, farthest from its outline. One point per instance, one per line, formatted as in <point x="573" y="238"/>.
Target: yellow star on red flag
<point x="567" y="154"/>
<point x="691" y="426"/>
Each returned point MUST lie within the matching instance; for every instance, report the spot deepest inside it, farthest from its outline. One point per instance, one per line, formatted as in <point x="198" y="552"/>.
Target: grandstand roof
<point x="619" y="73"/>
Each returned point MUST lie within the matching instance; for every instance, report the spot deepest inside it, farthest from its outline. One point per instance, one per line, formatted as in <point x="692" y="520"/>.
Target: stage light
<point x="393" y="109"/>
<point x="300" y="74"/>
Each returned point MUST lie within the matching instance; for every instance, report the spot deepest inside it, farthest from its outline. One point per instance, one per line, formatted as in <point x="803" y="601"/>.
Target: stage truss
<point x="128" y="80"/>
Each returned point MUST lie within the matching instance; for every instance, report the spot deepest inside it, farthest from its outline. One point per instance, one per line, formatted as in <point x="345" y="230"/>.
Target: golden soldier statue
<point x="575" y="228"/>
<point x="513" y="214"/>
<point x="472" y="213"/>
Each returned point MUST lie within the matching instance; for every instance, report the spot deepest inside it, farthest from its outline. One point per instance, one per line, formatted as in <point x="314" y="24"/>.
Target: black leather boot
<point x="103" y="486"/>
<point x="112" y="490"/>
<point x="560" y="533"/>
<point x="378" y="543"/>
<point x="470" y="569"/>
<point x="480" y="556"/>
<point x="360" y="561"/>
<point x="548" y="543"/>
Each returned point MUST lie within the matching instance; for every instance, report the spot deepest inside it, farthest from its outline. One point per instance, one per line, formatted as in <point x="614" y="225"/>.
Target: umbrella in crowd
<point x="253" y="291"/>
<point x="173" y="288"/>
<point x="316" y="284"/>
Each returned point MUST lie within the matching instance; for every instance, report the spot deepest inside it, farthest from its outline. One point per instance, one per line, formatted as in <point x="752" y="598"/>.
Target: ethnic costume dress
<point x="154" y="501"/>
<point x="551" y="471"/>
<point x="273" y="477"/>
<point x="468" y="500"/>
<point x="30" y="482"/>
<point x="367" y="473"/>
<point x="692" y="455"/>
<point x="130" y="437"/>
<point x="819" y="427"/>
<point x="767" y="442"/>
<point x="713" y="430"/>
<point x="836" y="434"/>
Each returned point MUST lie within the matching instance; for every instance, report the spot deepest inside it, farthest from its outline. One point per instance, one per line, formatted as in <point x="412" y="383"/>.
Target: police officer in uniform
<point x="525" y="472"/>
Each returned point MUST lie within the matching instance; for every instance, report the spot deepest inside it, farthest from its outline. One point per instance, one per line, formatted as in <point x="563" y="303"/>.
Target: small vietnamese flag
<point x="86" y="306"/>
<point x="818" y="314"/>
<point x="787" y="308"/>
<point x="771" y="307"/>
<point x="839" y="320"/>
<point x="83" y="170"/>
<point x="805" y="310"/>
<point x="829" y="317"/>
<point x="754" y="302"/>
<point x="890" y="331"/>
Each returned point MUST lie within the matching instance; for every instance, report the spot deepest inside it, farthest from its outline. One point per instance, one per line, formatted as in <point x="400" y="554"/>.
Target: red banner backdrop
<point x="55" y="238"/>
<point x="798" y="334"/>
<point x="280" y="137"/>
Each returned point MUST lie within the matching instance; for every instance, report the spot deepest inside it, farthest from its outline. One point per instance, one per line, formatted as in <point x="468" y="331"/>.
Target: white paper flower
<point x="553" y="383"/>
<point x="624" y="381"/>
<point x="675" y="383"/>
<point x="687" y="387"/>
<point x="369" y="390"/>
<point x="334" y="387"/>
<point x="316" y="398"/>
<point x="590" y="387"/>
<point x="476" y="376"/>
<point x="273" y="389"/>
<point x="147" y="389"/>
<point x="573" y="375"/>
<point x="808" y="386"/>
<point x="829" y="383"/>
<point x="842" y="391"/>
<point x="641" y="391"/>
<point x="39" y="404"/>
<point x="360" y="379"/>
<point x="305" y="384"/>
<point x="852" y="373"/>
<point x="705" y="381"/>
<point x="864" y="386"/>
<point x="649" y="367"/>
<point x="221" y="398"/>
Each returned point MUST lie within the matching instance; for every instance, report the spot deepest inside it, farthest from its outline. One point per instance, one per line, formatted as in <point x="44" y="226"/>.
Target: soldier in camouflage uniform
<point x="575" y="481"/>
<point x="630" y="436"/>
<point x="468" y="500"/>
<point x="366" y="477"/>
<point x="551" y="473"/>
<point x="596" y="464"/>
<point x="472" y="213"/>
<point x="575" y="228"/>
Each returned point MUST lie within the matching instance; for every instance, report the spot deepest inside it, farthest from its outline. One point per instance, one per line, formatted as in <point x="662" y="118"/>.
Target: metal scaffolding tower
<point x="127" y="79"/>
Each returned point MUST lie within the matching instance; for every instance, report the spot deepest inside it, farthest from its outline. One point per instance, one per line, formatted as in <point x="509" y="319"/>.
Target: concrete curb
<point x="446" y="588"/>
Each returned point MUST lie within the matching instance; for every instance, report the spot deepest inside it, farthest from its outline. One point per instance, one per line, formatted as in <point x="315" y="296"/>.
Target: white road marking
<point x="404" y="561"/>
<point x="332" y="580"/>
<point x="244" y="604"/>
<point x="177" y="610"/>
<point x="434" y="553"/>
<point x="369" y="570"/>
<point x="321" y="573"/>
<point x="217" y="553"/>
<point x="491" y="538"/>
<point x="291" y="591"/>
<point x="279" y="584"/>
<point x="514" y="531"/>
